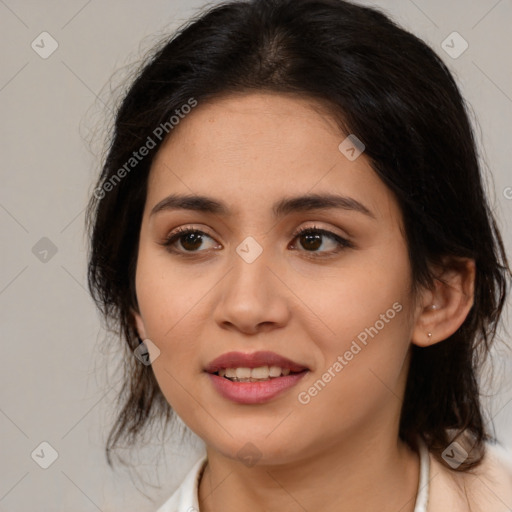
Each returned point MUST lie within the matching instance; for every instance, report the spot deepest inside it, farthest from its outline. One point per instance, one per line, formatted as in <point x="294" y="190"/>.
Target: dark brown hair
<point x="384" y="85"/>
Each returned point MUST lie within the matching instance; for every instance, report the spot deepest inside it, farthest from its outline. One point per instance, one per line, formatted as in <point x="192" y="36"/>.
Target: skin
<point x="340" y="451"/>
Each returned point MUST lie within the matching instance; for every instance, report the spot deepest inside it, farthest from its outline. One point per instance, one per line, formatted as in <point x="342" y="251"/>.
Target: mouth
<point x="254" y="378"/>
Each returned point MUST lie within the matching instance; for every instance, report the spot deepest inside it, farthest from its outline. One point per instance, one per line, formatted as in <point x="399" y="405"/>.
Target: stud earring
<point x="429" y="335"/>
<point x="433" y="306"/>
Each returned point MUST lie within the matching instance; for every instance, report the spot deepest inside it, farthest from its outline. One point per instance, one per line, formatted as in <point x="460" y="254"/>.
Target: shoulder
<point x="493" y="478"/>
<point x="185" y="497"/>
<point x="486" y="488"/>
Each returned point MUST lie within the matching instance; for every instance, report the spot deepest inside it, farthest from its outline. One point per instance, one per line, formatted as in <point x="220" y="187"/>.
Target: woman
<point x="291" y="233"/>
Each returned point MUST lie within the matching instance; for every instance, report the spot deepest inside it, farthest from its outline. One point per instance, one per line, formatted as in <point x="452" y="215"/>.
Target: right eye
<point x="190" y="240"/>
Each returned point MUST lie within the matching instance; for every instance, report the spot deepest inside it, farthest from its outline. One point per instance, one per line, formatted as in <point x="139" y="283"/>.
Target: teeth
<point x="243" y="373"/>
<point x="252" y="374"/>
<point x="275" y="371"/>
<point x="260" y="373"/>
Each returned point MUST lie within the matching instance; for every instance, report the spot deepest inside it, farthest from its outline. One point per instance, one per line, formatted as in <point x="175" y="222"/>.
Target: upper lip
<point x="253" y="360"/>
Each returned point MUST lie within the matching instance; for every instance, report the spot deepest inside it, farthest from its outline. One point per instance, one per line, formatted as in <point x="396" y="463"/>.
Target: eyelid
<point x="316" y="227"/>
<point x="191" y="227"/>
<point x="343" y="241"/>
<point x="184" y="230"/>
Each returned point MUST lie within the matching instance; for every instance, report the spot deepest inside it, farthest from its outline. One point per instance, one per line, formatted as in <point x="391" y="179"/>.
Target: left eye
<point x="192" y="239"/>
<point x="313" y="239"/>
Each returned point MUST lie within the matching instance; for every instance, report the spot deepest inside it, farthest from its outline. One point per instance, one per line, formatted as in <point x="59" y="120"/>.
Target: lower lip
<point x="254" y="392"/>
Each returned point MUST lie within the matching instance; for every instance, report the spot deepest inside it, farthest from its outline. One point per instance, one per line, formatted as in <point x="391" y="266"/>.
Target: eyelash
<point x="342" y="242"/>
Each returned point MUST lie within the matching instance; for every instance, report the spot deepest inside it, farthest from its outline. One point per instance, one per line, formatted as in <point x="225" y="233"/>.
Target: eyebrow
<point x="281" y="208"/>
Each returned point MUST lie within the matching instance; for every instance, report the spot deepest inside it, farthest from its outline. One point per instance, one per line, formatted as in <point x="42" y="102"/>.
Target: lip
<point x="253" y="360"/>
<point x="254" y="392"/>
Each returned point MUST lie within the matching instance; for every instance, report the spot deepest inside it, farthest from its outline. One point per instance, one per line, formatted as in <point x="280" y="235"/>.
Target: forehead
<point x="248" y="124"/>
<point x="258" y="147"/>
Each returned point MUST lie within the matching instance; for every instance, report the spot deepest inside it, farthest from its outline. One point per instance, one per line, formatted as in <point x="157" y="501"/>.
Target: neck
<point x="361" y="475"/>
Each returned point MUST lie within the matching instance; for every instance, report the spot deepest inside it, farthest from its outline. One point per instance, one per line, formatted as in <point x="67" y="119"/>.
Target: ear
<point x="139" y="324"/>
<point x="442" y="309"/>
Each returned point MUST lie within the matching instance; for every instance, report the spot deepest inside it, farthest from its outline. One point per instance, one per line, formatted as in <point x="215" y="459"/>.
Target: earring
<point x="433" y="306"/>
<point x="429" y="335"/>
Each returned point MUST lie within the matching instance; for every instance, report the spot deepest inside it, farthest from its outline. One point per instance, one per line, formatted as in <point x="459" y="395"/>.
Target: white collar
<point x="424" y="481"/>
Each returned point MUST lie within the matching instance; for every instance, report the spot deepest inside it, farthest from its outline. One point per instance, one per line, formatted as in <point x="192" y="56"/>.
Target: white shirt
<point x="493" y="483"/>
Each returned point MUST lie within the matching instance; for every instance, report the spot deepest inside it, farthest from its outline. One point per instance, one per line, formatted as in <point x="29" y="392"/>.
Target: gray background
<point x="54" y="115"/>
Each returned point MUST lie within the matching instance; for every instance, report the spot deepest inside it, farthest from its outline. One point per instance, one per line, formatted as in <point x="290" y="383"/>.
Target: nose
<point x="253" y="295"/>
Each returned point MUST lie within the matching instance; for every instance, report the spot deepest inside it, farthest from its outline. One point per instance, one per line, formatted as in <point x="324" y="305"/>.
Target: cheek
<point x="167" y="299"/>
<point x="166" y="290"/>
<point x="363" y="367"/>
<point x="366" y="307"/>
<point x="354" y="297"/>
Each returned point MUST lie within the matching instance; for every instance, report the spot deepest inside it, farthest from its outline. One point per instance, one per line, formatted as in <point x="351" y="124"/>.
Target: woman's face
<point x="340" y="307"/>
